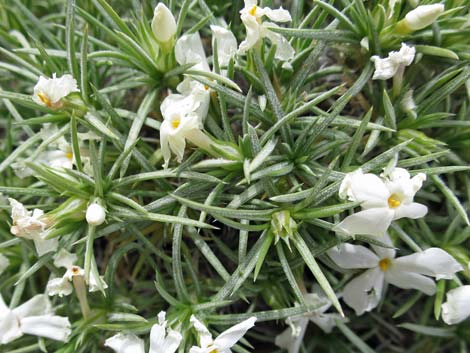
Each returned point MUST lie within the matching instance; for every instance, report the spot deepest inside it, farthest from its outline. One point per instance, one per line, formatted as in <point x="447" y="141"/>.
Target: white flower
<point x="408" y="103"/>
<point x="422" y="16"/>
<point x="180" y="122"/>
<point x="457" y="307"/>
<point x="4" y="263"/>
<point x="28" y="224"/>
<point x="408" y="272"/>
<point x="50" y="91"/>
<point x="95" y="214"/>
<point x="189" y="50"/>
<point x="35" y="317"/>
<point x="224" y="341"/>
<point x="163" y="24"/>
<point x="226" y="44"/>
<point x="61" y="285"/>
<point x="292" y="337"/>
<point x="382" y="200"/>
<point x="396" y="61"/>
<point x="162" y="340"/>
<point x="256" y="29"/>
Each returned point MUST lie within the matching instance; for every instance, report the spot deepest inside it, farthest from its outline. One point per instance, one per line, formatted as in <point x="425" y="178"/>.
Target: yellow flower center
<point x="69" y="155"/>
<point x="206" y="87"/>
<point x="75" y="270"/>
<point x="175" y="123"/>
<point x="214" y="351"/>
<point x="394" y="201"/>
<point x="384" y="264"/>
<point x="45" y="99"/>
<point x="252" y="13"/>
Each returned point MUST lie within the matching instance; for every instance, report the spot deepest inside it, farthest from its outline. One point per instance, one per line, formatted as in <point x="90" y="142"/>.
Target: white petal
<point x="4" y="263"/>
<point x="353" y="256"/>
<point x="410" y="280"/>
<point x="36" y="306"/>
<point x="385" y="68"/>
<point x="433" y="262"/>
<point x="363" y="292"/>
<point x="54" y="327"/>
<point x="205" y="337"/>
<point x="189" y="50"/>
<point x="59" y="286"/>
<point x="170" y="344"/>
<point x="9" y="327"/>
<point x="44" y="246"/>
<point x="373" y="221"/>
<point x="404" y="56"/>
<point x="228" y="338"/>
<point x="284" y="50"/>
<point x="54" y="89"/>
<point x="226" y="44"/>
<point x="279" y="15"/>
<point x="253" y="33"/>
<point x="325" y="321"/>
<point x="367" y="188"/>
<point x="457" y="307"/>
<point x="413" y="210"/>
<point x="163" y="23"/>
<point x="125" y="343"/>
<point x="64" y="259"/>
<point x="291" y="340"/>
<point x="157" y="336"/>
<point x="382" y="252"/>
<point x="93" y="283"/>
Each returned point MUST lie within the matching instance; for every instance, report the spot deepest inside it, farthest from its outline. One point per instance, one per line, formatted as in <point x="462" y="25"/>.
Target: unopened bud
<point x="419" y="18"/>
<point x="95" y="214"/>
<point x="163" y="26"/>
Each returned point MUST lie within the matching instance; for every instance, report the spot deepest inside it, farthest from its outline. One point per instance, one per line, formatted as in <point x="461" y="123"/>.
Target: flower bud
<point x="95" y="214"/>
<point x="283" y="226"/>
<point x="419" y="18"/>
<point x="163" y="26"/>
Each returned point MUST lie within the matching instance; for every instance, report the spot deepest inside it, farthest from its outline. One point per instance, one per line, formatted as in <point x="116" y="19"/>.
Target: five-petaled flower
<point x="162" y="340"/>
<point x="223" y="342"/>
<point x="408" y="272"/>
<point x="35" y="317"/>
<point x="256" y="29"/>
<point x="50" y="91"/>
<point x="382" y="200"/>
<point x="62" y="285"/>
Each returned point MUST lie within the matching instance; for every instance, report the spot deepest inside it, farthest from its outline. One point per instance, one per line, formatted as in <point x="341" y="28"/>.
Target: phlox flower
<point x="62" y="286"/>
<point x="256" y="29"/>
<point x="31" y="225"/>
<point x="292" y="337"/>
<point x="50" y="91"/>
<point x="395" y="63"/>
<point x="408" y="272"/>
<point x="382" y="200"/>
<point x="223" y="342"/>
<point x="162" y="340"/>
<point x="34" y="317"/>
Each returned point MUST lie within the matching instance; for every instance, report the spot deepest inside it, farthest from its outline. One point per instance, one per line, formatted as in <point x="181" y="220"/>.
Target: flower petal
<point x="226" y="44"/>
<point x="410" y="280"/>
<point x="205" y="337"/>
<point x="457" y="307"/>
<point x="9" y="327"/>
<point x="54" y="327"/>
<point x="278" y="15"/>
<point x="44" y="246"/>
<point x="228" y="338"/>
<point x="64" y="259"/>
<point x="326" y="321"/>
<point x="284" y="51"/>
<point x="125" y="343"/>
<point x="253" y="33"/>
<point x="59" y="286"/>
<point x="291" y="340"/>
<point x="433" y="262"/>
<point x="373" y="221"/>
<point x="37" y="306"/>
<point x="367" y="188"/>
<point x="363" y="292"/>
<point x="353" y="256"/>
<point x="413" y="210"/>
<point x="189" y="50"/>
